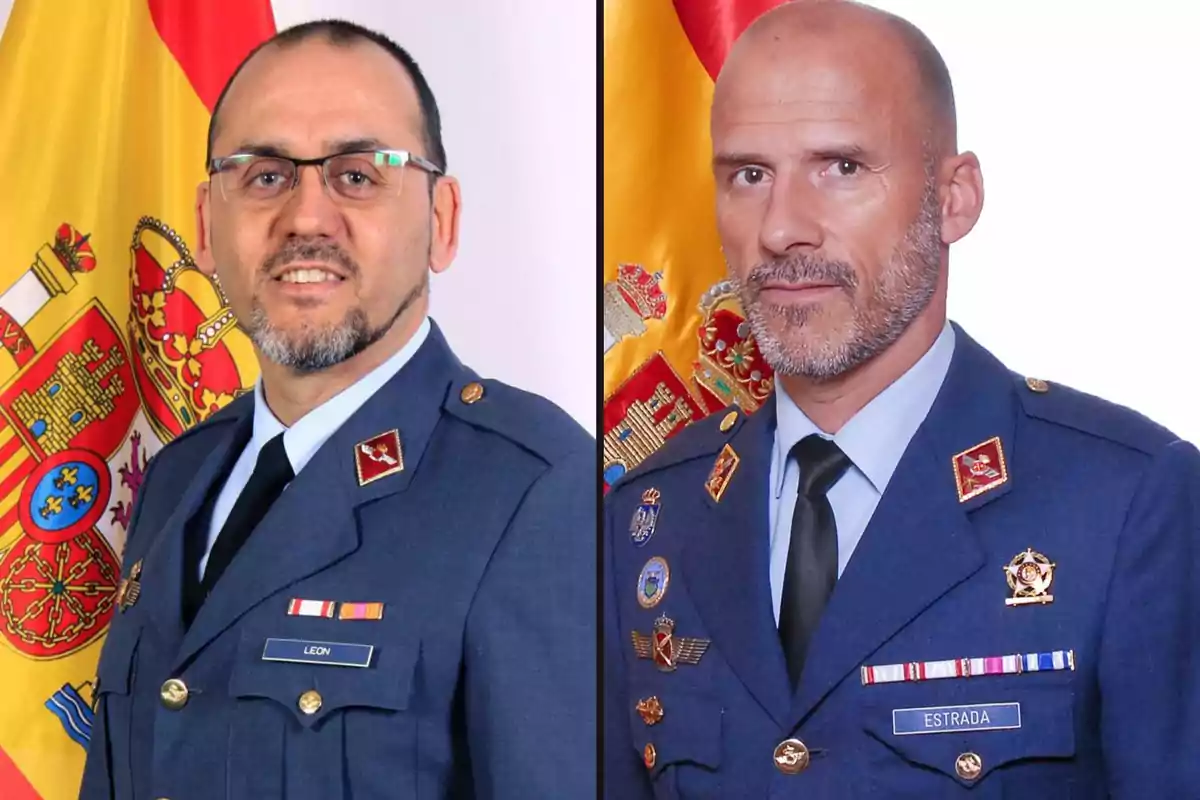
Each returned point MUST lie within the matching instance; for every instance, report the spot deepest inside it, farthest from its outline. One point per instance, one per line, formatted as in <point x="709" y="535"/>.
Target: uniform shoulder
<point x="527" y="419"/>
<point x="1064" y="406"/>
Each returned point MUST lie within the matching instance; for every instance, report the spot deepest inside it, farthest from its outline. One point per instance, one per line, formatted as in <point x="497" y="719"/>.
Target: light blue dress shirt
<point x="874" y="439"/>
<point x="307" y="435"/>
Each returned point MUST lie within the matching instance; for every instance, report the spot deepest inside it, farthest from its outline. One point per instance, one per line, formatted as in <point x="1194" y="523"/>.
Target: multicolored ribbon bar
<point x="310" y="608"/>
<point x="360" y="611"/>
<point x="969" y="667"/>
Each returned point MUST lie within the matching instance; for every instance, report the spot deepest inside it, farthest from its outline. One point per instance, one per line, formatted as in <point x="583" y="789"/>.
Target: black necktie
<point x="272" y="473"/>
<point x="813" y="553"/>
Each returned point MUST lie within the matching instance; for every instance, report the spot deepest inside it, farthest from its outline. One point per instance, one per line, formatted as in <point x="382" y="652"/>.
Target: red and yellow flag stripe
<point x="106" y="108"/>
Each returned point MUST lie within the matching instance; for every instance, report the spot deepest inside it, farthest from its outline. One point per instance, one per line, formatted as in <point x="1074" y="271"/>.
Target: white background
<point x="1085" y="116"/>
<point x="516" y="86"/>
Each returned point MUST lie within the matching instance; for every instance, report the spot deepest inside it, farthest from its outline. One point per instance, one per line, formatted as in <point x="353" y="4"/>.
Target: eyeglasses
<point x="359" y="177"/>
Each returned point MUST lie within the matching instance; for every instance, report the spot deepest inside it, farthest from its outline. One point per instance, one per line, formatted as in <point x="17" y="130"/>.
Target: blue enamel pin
<point x="652" y="582"/>
<point x="641" y="527"/>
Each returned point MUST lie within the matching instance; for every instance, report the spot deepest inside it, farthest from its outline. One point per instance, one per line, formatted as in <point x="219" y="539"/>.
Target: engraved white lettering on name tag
<point x="947" y="719"/>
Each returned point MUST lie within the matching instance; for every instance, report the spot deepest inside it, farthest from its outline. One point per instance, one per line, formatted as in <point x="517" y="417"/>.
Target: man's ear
<point x="203" y="250"/>
<point x="961" y="196"/>
<point x="443" y="238"/>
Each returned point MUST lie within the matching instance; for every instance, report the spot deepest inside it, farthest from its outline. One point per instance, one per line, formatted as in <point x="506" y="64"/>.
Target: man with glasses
<point x="375" y="575"/>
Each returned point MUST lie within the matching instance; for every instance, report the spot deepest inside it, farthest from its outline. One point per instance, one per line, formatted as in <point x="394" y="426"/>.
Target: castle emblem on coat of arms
<point x="655" y="402"/>
<point x="69" y="417"/>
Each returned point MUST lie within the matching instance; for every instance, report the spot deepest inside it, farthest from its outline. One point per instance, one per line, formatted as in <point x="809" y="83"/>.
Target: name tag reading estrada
<point x="955" y="719"/>
<point x="303" y="651"/>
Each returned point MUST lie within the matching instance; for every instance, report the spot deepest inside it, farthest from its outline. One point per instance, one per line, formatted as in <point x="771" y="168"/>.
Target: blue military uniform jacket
<point x="1108" y="497"/>
<point x="482" y="678"/>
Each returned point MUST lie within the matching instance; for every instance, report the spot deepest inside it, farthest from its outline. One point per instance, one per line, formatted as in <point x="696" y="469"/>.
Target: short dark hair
<point x="342" y="33"/>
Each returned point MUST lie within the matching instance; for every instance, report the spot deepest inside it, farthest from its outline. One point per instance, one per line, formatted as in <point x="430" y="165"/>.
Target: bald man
<point x="913" y="573"/>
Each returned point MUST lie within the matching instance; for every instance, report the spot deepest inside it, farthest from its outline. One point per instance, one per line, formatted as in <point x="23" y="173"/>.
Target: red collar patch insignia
<point x="980" y="469"/>
<point x="722" y="471"/>
<point x="378" y="457"/>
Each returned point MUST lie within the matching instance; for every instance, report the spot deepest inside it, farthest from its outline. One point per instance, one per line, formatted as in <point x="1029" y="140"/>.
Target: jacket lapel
<point x="726" y="563"/>
<point x="162" y="563"/>
<point x="920" y="543"/>
<point x="313" y="524"/>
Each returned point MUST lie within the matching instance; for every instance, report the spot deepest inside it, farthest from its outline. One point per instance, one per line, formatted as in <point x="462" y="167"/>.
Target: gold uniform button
<point x="728" y="422"/>
<point x="791" y="757"/>
<point x="310" y="702"/>
<point x="968" y="766"/>
<point x="650" y="709"/>
<point x="1037" y="385"/>
<point x="471" y="393"/>
<point x="174" y="694"/>
<point x="649" y="756"/>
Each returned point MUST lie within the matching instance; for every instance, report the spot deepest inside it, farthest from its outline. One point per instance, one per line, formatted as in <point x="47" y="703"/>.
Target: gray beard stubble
<point x="903" y="290"/>
<point x="315" y="349"/>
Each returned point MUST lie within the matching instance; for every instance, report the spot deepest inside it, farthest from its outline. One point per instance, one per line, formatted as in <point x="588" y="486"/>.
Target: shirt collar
<point x="876" y="437"/>
<point x="312" y="430"/>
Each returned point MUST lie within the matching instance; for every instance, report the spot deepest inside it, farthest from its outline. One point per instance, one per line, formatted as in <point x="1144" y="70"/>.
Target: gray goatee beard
<point x="314" y="349"/>
<point x="901" y="293"/>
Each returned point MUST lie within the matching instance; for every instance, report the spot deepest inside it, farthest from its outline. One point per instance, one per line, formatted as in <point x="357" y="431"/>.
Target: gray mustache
<point x="802" y="269"/>
<point x="327" y="252"/>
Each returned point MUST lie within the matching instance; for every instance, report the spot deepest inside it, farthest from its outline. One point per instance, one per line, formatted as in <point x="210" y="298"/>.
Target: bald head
<point x="839" y="185"/>
<point x="875" y="44"/>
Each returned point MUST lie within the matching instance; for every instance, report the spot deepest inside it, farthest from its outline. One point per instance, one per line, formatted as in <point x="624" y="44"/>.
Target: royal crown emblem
<point x="730" y="369"/>
<point x="73" y="250"/>
<point x="52" y="273"/>
<point x="631" y="301"/>
<point x="180" y="328"/>
<point x="645" y="517"/>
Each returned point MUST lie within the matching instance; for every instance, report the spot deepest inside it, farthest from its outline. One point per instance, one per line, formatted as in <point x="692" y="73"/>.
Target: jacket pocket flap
<point x="314" y="691"/>
<point x="1033" y="723"/>
<point x="681" y="726"/>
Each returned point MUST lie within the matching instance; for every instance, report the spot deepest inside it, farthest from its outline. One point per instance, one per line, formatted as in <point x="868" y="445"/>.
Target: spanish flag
<point x="676" y="345"/>
<point x="111" y="343"/>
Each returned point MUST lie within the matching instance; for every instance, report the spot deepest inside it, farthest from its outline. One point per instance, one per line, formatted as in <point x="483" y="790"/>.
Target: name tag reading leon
<point x="955" y="719"/>
<point x="303" y="651"/>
